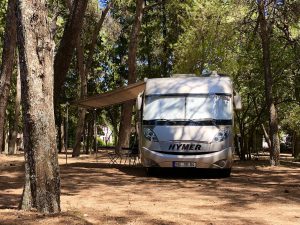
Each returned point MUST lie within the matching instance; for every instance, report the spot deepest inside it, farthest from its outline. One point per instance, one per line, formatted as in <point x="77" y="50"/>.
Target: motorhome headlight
<point x="150" y="135"/>
<point x="221" y="135"/>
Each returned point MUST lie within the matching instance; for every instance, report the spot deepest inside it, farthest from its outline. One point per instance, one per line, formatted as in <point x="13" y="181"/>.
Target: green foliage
<point x="291" y="118"/>
<point x="162" y="25"/>
<point x="209" y="38"/>
<point x="186" y="37"/>
<point x="224" y="36"/>
<point x="3" y="7"/>
<point x="102" y="143"/>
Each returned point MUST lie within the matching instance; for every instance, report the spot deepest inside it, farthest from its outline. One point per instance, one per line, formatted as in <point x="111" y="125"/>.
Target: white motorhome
<point x="183" y="121"/>
<point x="187" y="122"/>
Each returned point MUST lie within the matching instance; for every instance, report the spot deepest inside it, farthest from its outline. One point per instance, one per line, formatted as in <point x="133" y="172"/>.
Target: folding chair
<point x="134" y="156"/>
<point x="134" y="150"/>
<point x="113" y="157"/>
<point x="124" y="154"/>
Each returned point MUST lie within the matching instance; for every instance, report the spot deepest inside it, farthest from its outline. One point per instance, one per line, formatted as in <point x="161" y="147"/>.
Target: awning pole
<point x="67" y="133"/>
<point x="95" y="131"/>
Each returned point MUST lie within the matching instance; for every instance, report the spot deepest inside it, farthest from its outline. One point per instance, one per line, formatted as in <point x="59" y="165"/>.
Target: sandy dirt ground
<point x="94" y="192"/>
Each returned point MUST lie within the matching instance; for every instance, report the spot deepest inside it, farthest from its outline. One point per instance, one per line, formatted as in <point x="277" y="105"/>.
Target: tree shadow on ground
<point x="9" y="201"/>
<point x="9" y="182"/>
<point x="250" y="182"/>
<point x="164" y="173"/>
<point x="31" y="218"/>
<point x="81" y="176"/>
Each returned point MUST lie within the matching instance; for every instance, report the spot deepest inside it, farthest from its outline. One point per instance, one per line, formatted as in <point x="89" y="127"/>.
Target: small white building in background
<point x="265" y="144"/>
<point x="106" y="134"/>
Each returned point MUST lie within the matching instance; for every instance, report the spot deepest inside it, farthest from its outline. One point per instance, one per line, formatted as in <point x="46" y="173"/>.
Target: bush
<point x="100" y="142"/>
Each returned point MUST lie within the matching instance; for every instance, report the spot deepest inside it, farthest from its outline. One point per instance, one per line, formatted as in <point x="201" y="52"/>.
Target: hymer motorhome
<point x="184" y="121"/>
<point x="187" y="122"/>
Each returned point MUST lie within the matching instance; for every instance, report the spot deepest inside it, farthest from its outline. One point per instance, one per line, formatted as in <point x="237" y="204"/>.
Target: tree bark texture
<point x="67" y="45"/>
<point x="12" y="148"/>
<point x="36" y="48"/>
<point x="265" y="30"/>
<point x="6" y="69"/>
<point x="126" y="113"/>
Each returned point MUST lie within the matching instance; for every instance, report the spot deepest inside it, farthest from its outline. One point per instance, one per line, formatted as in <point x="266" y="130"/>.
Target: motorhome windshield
<point x="191" y="107"/>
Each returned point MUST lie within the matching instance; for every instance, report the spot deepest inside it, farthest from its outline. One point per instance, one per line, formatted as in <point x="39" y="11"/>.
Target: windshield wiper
<point x="162" y="120"/>
<point x="167" y="121"/>
<point x="213" y="121"/>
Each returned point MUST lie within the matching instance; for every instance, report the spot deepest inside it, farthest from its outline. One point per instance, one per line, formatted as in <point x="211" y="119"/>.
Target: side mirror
<point x="139" y="101"/>
<point x="237" y="101"/>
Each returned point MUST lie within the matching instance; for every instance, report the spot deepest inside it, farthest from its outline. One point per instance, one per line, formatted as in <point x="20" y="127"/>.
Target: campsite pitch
<point x="94" y="192"/>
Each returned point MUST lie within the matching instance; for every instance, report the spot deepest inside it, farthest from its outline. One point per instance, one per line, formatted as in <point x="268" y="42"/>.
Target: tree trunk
<point x="90" y="136"/>
<point x="96" y="31"/>
<point x="296" y="146"/>
<point x="6" y="139"/>
<point x="83" y="94"/>
<point x="61" y="136"/>
<point x="12" y="142"/>
<point x="265" y="30"/>
<point x="79" y="132"/>
<point x="125" y="126"/>
<point x="126" y="113"/>
<point x="84" y="137"/>
<point x="242" y="141"/>
<point x="250" y="143"/>
<point x="60" y="130"/>
<point x="3" y="143"/>
<point x="67" y="45"/>
<point x="7" y="65"/>
<point x="36" y="48"/>
<point x="83" y="72"/>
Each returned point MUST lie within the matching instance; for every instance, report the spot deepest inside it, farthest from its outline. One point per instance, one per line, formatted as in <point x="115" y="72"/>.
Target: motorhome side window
<point x="193" y="107"/>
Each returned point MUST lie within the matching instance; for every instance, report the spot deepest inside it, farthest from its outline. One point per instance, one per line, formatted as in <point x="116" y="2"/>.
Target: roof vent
<point x="214" y="74"/>
<point x="208" y="73"/>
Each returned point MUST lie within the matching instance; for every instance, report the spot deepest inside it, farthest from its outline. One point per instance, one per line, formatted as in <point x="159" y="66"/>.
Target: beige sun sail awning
<point x="114" y="97"/>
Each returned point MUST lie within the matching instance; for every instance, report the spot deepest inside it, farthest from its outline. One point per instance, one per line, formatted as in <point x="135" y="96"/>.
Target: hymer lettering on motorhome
<point x="183" y="121"/>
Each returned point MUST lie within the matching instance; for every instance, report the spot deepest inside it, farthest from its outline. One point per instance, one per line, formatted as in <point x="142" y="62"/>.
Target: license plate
<point x="184" y="164"/>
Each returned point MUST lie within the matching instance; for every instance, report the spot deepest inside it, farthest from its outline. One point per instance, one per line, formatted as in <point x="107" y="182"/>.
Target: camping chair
<point x="134" y="156"/>
<point x="113" y="157"/>
<point x="120" y="157"/>
<point x="134" y="150"/>
<point x="124" y="155"/>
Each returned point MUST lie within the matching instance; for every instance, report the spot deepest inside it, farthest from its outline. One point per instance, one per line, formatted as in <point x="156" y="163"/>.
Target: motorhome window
<point x="157" y="107"/>
<point x="213" y="106"/>
<point x="193" y="107"/>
